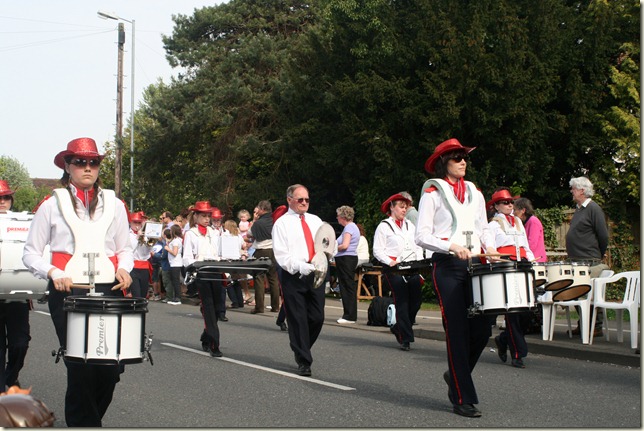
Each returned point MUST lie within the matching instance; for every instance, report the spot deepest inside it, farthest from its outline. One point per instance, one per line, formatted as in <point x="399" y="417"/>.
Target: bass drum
<point x="105" y="330"/>
<point x="501" y="288"/>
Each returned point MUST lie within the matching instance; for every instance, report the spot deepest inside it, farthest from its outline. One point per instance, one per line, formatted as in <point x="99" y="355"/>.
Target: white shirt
<point x="176" y="261"/>
<point x="49" y="227"/>
<point x="435" y="222"/>
<point x="392" y="241"/>
<point x="197" y="245"/>
<point x="505" y="235"/>
<point x="140" y="251"/>
<point x="289" y="245"/>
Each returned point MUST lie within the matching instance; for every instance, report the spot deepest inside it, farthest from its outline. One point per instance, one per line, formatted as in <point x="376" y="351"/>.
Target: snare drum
<point x="559" y="275"/>
<point x="501" y="288"/>
<point x="580" y="284"/>
<point x="105" y="330"/>
<point x="540" y="275"/>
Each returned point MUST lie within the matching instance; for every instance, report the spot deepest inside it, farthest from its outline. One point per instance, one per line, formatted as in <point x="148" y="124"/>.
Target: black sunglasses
<point x="83" y="162"/>
<point x="506" y="202"/>
<point x="460" y="158"/>
<point x="302" y="200"/>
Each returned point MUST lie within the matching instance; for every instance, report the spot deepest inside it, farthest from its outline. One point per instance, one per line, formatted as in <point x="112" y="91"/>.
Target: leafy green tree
<point x="17" y="176"/>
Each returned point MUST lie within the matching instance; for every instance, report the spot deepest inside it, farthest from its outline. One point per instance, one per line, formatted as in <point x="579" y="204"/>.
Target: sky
<point x="59" y="70"/>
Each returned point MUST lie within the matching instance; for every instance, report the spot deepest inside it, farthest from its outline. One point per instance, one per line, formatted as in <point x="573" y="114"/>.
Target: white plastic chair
<point x="630" y="302"/>
<point x="549" y="309"/>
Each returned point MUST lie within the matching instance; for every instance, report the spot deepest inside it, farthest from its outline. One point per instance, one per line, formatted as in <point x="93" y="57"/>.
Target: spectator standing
<point x="533" y="227"/>
<point x="175" y="259"/>
<point x="587" y="237"/>
<point x="217" y="231"/>
<point x="412" y="212"/>
<point x="346" y="262"/>
<point x="238" y="282"/>
<point x="261" y="234"/>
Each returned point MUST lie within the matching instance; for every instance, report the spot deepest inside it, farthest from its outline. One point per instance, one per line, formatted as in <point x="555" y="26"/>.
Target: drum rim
<point x="118" y="305"/>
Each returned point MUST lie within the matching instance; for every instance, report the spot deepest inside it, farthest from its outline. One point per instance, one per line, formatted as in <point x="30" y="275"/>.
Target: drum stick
<point x="118" y="286"/>
<point x="492" y="255"/>
<point x="82" y="286"/>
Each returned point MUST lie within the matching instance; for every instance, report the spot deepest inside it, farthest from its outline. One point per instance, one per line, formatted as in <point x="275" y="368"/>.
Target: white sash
<point x="89" y="237"/>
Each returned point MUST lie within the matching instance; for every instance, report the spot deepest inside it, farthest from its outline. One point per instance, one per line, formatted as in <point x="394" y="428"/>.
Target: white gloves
<point x="58" y="273"/>
<point x="305" y="268"/>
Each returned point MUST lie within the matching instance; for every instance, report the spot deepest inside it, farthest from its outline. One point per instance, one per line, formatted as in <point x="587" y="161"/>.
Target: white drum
<point x="105" y="330"/>
<point x="16" y="282"/>
<point x="559" y="275"/>
<point x="501" y="288"/>
<point x="580" y="286"/>
<point x="540" y="275"/>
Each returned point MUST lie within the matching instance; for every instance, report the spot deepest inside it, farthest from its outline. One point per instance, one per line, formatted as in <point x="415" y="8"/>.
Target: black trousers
<point x="346" y="269"/>
<point x="14" y="340"/>
<point x="407" y="298"/>
<point x="90" y="387"/>
<point x="210" y="297"/>
<point x="466" y="337"/>
<point x="140" y="282"/>
<point x="305" y="313"/>
<point x="512" y="336"/>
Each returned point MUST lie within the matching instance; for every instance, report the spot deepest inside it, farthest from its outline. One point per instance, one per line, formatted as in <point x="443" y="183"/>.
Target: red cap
<point x="83" y="147"/>
<point x="397" y="197"/>
<point x="443" y="148"/>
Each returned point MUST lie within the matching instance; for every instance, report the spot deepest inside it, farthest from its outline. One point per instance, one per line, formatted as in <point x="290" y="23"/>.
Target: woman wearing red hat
<point x="393" y="243"/>
<point x="452" y="225"/>
<point x="508" y="232"/>
<point x="142" y="253"/>
<point x="58" y="220"/>
<point x="199" y="243"/>
<point x="14" y="320"/>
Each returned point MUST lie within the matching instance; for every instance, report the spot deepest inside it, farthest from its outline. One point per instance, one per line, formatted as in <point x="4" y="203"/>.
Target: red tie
<point x="308" y="237"/>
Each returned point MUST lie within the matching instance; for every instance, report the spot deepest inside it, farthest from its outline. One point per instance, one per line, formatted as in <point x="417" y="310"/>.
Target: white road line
<point x="41" y="312"/>
<point x="259" y="367"/>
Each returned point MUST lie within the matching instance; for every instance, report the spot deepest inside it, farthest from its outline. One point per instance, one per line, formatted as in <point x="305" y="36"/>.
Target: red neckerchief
<point x="202" y="229"/>
<point x="510" y="219"/>
<point x="399" y="223"/>
<point x="135" y="231"/>
<point x="81" y="195"/>
<point x="459" y="188"/>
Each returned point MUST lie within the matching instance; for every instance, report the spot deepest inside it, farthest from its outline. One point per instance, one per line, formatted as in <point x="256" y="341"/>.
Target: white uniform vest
<point x="463" y="214"/>
<point x="89" y="240"/>
<point x="208" y="246"/>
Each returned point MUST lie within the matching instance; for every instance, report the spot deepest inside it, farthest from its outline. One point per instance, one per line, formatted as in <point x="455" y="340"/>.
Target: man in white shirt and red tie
<point x="293" y="247"/>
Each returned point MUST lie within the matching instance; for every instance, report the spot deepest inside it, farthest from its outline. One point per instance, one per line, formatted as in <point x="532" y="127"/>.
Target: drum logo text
<point x="101" y="348"/>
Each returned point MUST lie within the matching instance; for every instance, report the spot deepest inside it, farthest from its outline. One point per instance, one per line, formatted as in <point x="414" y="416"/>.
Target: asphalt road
<point x="360" y="379"/>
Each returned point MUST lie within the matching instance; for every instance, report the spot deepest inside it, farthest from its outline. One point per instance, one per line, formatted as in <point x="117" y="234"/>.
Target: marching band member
<point x="508" y="232"/>
<point x="216" y="218"/>
<point x="199" y="243"/>
<point x="14" y="320"/>
<point x="294" y="248"/>
<point x="452" y="224"/>
<point x="89" y="386"/>
<point x="393" y="243"/>
<point x="142" y="253"/>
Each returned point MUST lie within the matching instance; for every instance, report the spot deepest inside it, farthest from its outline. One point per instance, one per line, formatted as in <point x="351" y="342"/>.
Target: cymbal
<point x="321" y="263"/>
<point x="325" y="239"/>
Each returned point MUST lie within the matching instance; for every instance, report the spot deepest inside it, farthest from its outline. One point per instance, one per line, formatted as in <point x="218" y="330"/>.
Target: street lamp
<point x="108" y="15"/>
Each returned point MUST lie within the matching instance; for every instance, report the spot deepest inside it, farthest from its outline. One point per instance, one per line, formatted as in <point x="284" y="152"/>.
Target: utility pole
<point x="119" y="113"/>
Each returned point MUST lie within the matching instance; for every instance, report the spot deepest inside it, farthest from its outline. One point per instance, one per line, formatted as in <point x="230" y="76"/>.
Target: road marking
<point x="41" y="312"/>
<point x="259" y="367"/>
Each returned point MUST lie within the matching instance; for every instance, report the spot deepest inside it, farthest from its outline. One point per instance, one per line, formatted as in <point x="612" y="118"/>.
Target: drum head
<point x="325" y="239"/>
<point x="571" y="293"/>
<point x="540" y="282"/>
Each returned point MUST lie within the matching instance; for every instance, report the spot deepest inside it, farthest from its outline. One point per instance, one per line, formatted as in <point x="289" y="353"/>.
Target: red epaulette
<point x="40" y="203"/>
<point x="430" y="189"/>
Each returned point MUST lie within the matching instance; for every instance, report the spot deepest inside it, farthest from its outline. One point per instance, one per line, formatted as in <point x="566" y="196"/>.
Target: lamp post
<point x="108" y="15"/>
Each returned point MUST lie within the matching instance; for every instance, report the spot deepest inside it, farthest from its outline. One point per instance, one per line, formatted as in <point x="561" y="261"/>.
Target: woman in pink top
<point x="533" y="228"/>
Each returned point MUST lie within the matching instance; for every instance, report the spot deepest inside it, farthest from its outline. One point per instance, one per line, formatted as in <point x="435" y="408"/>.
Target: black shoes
<point x="205" y="346"/>
<point x="405" y="346"/>
<point x="255" y="311"/>
<point x="216" y="353"/>
<point x="282" y="326"/>
<point x="223" y="319"/>
<point x="467" y="410"/>
<point x="501" y="350"/>
<point x="303" y="370"/>
<point x="518" y="363"/>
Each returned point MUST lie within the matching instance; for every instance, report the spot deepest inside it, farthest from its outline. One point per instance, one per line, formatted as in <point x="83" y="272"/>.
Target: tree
<point x="17" y="176"/>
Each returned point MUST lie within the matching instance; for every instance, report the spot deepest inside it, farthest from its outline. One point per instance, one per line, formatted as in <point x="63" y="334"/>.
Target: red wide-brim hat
<point x="501" y="195"/>
<point x="216" y="213"/>
<point x="4" y="189"/>
<point x="397" y="197"/>
<point x="201" y="207"/>
<point x="80" y="147"/>
<point x="138" y="217"/>
<point x="444" y="148"/>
